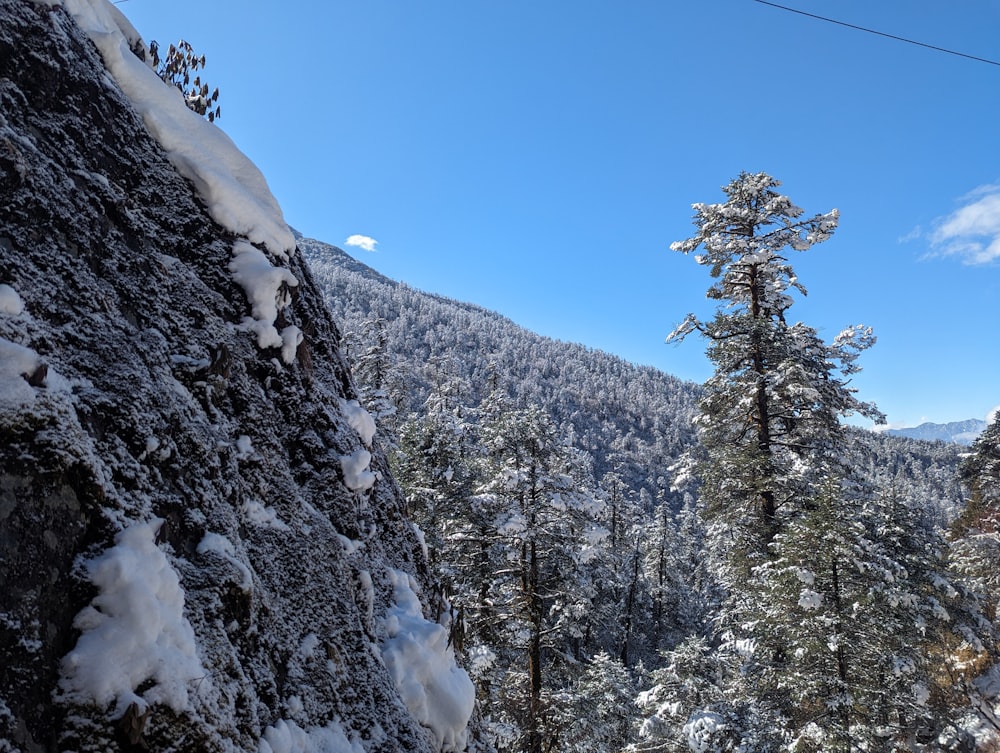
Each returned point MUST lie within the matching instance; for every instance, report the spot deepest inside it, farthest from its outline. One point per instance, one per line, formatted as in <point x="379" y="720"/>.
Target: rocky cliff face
<point x="201" y="548"/>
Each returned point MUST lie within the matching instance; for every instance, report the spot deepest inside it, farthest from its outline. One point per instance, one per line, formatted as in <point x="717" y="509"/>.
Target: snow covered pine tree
<point x="774" y="400"/>
<point x="543" y="511"/>
<point x="818" y="613"/>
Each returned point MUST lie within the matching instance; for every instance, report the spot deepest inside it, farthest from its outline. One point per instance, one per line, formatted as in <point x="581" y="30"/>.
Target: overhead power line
<point x="878" y="33"/>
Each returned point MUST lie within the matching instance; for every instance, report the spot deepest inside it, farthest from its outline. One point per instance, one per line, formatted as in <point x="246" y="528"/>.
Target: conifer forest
<point x="632" y="562"/>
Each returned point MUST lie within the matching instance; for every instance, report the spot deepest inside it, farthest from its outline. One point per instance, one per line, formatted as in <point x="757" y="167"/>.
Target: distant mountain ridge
<point x="956" y="432"/>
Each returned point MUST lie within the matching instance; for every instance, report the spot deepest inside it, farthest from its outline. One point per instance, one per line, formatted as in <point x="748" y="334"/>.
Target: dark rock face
<point x="153" y="404"/>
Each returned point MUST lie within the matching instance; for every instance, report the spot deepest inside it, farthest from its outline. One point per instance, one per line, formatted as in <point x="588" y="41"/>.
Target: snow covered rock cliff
<point x="201" y="548"/>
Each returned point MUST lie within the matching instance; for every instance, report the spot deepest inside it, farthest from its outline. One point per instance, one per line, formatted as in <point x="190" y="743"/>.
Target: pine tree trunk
<point x="534" y="653"/>
<point x="841" y="655"/>
<point x="629" y="605"/>
<point x="661" y="569"/>
<point x="762" y="419"/>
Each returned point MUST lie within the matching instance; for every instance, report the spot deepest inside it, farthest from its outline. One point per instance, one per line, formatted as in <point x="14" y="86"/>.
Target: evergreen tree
<point x="177" y="69"/>
<point x="769" y="417"/>
<point x="982" y="468"/>
<point x="595" y="714"/>
<point x="824" y="614"/>
<point x="617" y="620"/>
<point x="543" y="512"/>
<point x="975" y="554"/>
<point x="434" y="464"/>
<point x="862" y="629"/>
<point x="976" y="532"/>
<point x="381" y="387"/>
<point x="675" y="572"/>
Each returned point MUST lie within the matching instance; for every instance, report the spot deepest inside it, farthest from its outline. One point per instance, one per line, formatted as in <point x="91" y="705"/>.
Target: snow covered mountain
<point x="957" y="432"/>
<point x="201" y="547"/>
<point x="634" y="421"/>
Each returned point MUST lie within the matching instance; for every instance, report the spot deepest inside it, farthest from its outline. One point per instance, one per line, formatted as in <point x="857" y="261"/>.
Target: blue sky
<point x="537" y="158"/>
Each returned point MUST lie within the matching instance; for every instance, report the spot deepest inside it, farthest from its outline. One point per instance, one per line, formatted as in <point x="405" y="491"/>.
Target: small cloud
<point x="971" y="232"/>
<point x="913" y="235"/>
<point x="363" y="242"/>
<point x="894" y="425"/>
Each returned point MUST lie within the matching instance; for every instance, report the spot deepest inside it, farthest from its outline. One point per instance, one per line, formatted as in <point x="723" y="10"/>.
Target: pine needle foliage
<point x="180" y="67"/>
<point x="770" y="415"/>
<point x="835" y="599"/>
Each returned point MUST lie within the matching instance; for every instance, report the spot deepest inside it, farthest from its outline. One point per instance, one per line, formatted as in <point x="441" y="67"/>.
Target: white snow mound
<point x="359" y="419"/>
<point x="16" y="363"/>
<point x="357" y="475"/>
<point x="262" y="282"/>
<point x="437" y="692"/>
<point x="133" y="631"/>
<point x="286" y="736"/>
<point x="234" y="190"/>
<point x="10" y="301"/>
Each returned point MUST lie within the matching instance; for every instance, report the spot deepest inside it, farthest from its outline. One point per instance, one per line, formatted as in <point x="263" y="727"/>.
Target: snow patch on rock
<point x="244" y="447"/>
<point x="220" y="545"/>
<point x="10" y="302"/>
<point x="134" y="631"/>
<point x="16" y="363"/>
<point x="285" y="736"/>
<point x="355" y="467"/>
<point x="235" y="192"/>
<point x="434" y="689"/>
<point x="359" y="419"/>
<point x="308" y="646"/>
<point x="422" y="539"/>
<point x="291" y="338"/>
<point x="265" y="517"/>
<point x="264" y="285"/>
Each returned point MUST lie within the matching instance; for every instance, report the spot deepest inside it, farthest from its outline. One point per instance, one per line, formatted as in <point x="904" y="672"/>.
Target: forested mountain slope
<point x="633" y="420"/>
<point x="201" y="546"/>
<point x="547" y="480"/>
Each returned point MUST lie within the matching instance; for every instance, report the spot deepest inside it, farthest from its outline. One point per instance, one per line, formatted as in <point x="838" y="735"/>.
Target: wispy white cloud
<point x="971" y="232"/>
<point x="363" y="242"/>
<point x="879" y="428"/>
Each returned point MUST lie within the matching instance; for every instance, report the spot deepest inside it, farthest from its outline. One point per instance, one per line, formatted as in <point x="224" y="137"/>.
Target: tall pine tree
<point x="544" y="508"/>
<point x="770" y="413"/>
<point x="827" y="613"/>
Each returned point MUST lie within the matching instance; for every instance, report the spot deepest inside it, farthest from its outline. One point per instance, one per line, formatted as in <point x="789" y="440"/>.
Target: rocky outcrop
<point x="200" y="541"/>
